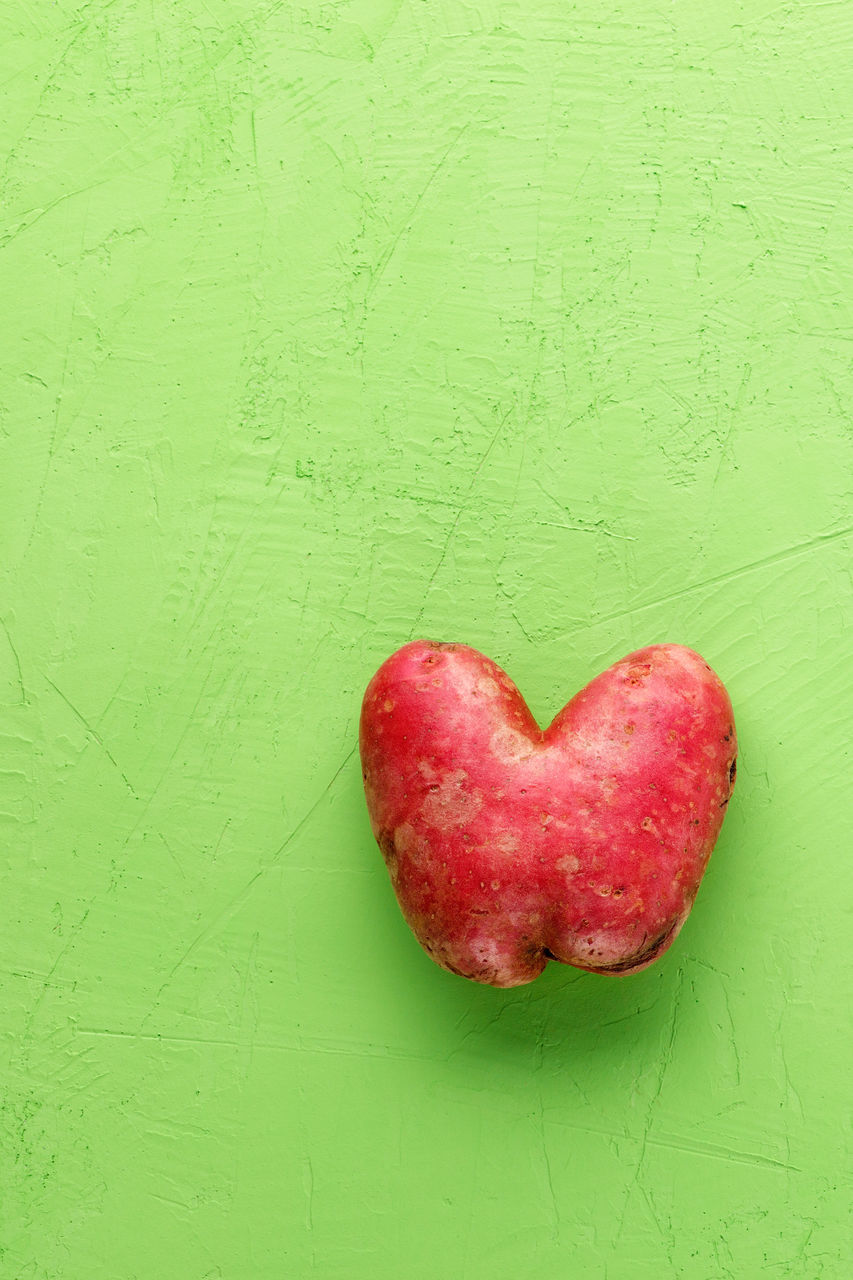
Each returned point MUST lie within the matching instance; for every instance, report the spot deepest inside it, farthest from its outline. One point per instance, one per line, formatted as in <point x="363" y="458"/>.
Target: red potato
<point x="509" y="846"/>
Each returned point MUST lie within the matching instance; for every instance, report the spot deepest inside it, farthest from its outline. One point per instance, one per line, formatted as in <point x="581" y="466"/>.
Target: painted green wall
<point x="528" y="324"/>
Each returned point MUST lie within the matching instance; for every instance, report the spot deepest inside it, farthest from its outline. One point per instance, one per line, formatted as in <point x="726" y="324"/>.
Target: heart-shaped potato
<point x="509" y="846"/>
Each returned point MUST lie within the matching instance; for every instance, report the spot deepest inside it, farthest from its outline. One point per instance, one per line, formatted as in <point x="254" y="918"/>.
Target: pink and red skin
<point x="508" y="845"/>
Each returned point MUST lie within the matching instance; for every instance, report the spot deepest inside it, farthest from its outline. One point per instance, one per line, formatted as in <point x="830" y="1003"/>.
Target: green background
<point x="523" y="323"/>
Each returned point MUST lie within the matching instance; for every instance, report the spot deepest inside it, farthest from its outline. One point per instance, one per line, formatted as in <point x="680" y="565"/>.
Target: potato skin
<point x="509" y="846"/>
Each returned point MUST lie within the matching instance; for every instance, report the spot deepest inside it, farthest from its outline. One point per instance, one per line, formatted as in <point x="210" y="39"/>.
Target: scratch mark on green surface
<point x="14" y="652"/>
<point x="455" y="523"/>
<point x="173" y="1204"/>
<point x="733" y="411"/>
<point x="665" y="1061"/>
<point x="44" y="978"/>
<point x="537" y="239"/>
<point x="93" y="735"/>
<point x="596" y="526"/>
<point x="306" y="1044"/>
<point x="546" y="1155"/>
<point x="391" y="249"/>
<point x="579" y="526"/>
<point x="57" y="404"/>
<point x="308" y="1187"/>
<point x="714" y="1152"/>
<point x="789" y="553"/>
<point x="49" y="82"/>
<point x="48" y="980"/>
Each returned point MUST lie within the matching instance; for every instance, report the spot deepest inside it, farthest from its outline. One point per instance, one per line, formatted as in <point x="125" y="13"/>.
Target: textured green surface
<point x="523" y="324"/>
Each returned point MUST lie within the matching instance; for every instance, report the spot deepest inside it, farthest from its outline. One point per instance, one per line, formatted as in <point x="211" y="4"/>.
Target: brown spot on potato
<point x="386" y="843"/>
<point x="385" y="840"/>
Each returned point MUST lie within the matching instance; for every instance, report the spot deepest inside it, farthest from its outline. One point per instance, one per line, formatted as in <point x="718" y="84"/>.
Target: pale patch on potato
<point x="449" y="803"/>
<point x="489" y="952"/>
<point x="388" y="704"/>
<point x="506" y="842"/>
<point x="405" y="837"/>
<point x="509" y="746"/>
<point x="410" y="845"/>
<point x="568" y="864"/>
<point x="428" y="771"/>
<point x="609" y="787"/>
<point x="487" y="686"/>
